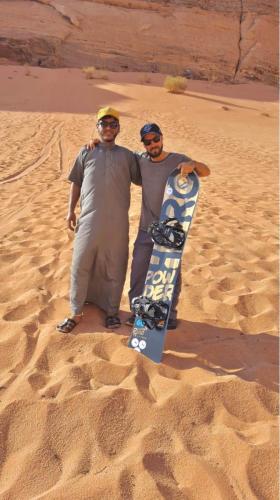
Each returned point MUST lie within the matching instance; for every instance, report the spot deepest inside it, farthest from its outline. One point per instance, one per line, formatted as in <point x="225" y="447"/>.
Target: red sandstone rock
<point x="221" y="40"/>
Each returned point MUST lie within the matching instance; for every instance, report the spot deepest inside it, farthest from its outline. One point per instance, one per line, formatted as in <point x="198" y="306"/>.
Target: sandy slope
<point x="82" y="416"/>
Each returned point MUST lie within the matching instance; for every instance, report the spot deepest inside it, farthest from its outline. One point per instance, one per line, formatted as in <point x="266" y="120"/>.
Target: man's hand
<point x="186" y="168"/>
<point x="93" y="143"/>
<point x="194" y="166"/>
<point x="71" y="220"/>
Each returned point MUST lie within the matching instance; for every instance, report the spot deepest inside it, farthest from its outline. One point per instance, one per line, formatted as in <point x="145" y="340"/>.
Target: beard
<point x="155" y="152"/>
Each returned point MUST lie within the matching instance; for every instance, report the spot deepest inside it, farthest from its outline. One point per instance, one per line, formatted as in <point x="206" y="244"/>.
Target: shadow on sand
<point x="60" y="91"/>
<point x="222" y="351"/>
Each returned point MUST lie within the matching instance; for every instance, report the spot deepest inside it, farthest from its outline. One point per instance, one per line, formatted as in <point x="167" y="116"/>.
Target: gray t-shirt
<point x="154" y="177"/>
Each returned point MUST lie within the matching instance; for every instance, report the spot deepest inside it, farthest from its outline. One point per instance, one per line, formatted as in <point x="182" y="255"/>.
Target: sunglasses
<point x="148" y="142"/>
<point x="104" y="124"/>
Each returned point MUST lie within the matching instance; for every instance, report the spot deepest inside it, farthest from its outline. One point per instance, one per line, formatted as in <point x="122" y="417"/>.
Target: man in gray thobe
<point x="101" y="178"/>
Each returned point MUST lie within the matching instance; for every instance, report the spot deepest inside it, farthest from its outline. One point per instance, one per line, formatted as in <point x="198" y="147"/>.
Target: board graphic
<point x="153" y="307"/>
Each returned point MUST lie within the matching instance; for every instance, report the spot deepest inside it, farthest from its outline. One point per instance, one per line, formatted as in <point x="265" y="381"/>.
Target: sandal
<point x="130" y="321"/>
<point x="112" y="322"/>
<point x="67" y="325"/>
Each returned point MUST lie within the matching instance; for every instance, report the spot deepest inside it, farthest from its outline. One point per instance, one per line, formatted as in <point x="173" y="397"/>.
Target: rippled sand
<point x="81" y="415"/>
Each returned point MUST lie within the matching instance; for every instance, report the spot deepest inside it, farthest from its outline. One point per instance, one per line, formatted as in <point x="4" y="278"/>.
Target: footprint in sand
<point x="10" y="257"/>
<point x="127" y="481"/>
<point x="157" y="464"/>
<point x="7" y="295"/>
<point x="233" y="393"/>
<point x="115" y="423"/>
<point x="263" y="462"/>
<point x="51" y="392"/>
<point x="21" y="311"/>
<point x="260" y="323"/>
<point x="226" y="313"/>
<point x="108" y="373"/>
<point x="52" y="309"/>
<point x="37" y="380"/>
<point x="252" y="304"/>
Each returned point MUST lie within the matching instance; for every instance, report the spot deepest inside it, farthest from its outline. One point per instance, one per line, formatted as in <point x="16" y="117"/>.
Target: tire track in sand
<point x="44" y="156"/>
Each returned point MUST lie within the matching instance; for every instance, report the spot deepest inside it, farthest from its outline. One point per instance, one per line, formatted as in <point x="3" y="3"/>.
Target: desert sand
<point x="81" y="415"/>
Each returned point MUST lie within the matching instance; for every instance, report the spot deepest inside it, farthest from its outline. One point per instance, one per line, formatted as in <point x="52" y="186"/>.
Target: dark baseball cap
<point x="149" y="128"/>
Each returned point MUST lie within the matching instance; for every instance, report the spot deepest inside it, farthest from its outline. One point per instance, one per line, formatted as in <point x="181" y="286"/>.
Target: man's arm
<point x="191" y="165"/>
<point x="76" y="177"/>
<point x="74" y="196"/>
<point x="136" y="177"/>
<point x="201" y="169"/>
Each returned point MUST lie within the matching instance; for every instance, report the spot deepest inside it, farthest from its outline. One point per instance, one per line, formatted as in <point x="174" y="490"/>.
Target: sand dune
<point x="81" y="415"/>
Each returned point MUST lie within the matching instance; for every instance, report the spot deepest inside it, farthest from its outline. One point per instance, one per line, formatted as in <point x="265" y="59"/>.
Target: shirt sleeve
<point x="185" y="158"/>
<point x="76" y="174"/>
<point x="135" y="170"/>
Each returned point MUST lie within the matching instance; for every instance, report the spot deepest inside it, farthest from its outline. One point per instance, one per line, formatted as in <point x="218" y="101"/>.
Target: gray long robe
<point x="100" y="253"/>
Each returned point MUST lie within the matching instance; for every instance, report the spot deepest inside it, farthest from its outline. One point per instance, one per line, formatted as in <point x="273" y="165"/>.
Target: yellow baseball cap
<point x="108" y="112"/>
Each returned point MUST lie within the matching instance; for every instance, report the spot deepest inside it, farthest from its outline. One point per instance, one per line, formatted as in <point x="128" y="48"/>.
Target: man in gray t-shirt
<point x="154" y="175"/>
<point x="155" y="166"/>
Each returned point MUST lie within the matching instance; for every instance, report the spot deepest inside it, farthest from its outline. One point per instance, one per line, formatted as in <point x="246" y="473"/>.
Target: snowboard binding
<point x="168" y="233"/>
<point x="153" y="314"/>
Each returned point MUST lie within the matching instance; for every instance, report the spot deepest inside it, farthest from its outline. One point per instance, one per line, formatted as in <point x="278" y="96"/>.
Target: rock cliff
<point x="213" y="39"/>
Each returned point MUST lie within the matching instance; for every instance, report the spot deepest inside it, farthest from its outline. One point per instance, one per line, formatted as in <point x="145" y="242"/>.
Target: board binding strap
<point x="152" y="314"/>
<point x="169" y="233"/>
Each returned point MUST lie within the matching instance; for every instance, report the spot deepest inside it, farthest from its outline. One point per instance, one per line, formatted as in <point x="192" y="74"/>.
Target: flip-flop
<point x="112" y="322"/>
<point x="67" y="325"/>
<point x="130" y="321"/>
